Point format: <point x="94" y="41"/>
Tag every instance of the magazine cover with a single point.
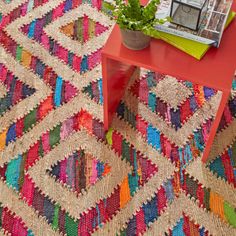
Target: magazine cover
<point x="211" y="27"/>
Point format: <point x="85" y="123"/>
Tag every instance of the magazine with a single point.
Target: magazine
<point x="211" y="28"/>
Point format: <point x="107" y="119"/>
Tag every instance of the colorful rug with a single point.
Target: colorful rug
<point x="61" y="174"/>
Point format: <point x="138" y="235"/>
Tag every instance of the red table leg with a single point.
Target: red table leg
<point x="115" y="78"/>
<point x="214" y="127"/>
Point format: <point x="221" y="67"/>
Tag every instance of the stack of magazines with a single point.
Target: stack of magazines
<point x="210" y="32"/>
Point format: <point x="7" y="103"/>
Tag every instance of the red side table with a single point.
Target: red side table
<point x="215" y="70"/>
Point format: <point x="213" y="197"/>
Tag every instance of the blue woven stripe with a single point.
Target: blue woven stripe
<point x="57" y="96"/>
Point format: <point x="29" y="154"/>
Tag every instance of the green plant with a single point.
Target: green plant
<point x="133" y="16"/>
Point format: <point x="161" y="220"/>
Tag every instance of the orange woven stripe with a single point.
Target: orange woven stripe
<point x="176" y="183"/>
<point x="3" y="139"/>
<point x="198" y="90"/>
<point x="26" y="59"/>
<point x="46" y="106"/>
<point x="107" y="169"/>
<point x="217" y="205"/>
<point x="68" y="29"/>
<point x="124" y="192"/>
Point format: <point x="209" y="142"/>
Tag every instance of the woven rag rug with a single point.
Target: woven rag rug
<point x="62" y="174"/>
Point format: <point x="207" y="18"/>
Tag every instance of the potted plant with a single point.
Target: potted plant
<point x="135" y="21"/>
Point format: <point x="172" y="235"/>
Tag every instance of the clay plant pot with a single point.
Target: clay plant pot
<point x="135" y="40"/>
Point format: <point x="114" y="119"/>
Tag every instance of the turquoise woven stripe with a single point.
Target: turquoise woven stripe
<point x="100" y="91"/>
<point x="217" y="167"/>
<point x="178" y="229"/>
<point x="13" y="172"/>
<point x="31" y="29"/>
<point x="153" y="136"/>
<point x="57" y="96"/>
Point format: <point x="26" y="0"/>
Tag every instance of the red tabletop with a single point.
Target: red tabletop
<point x="215" y="70"/>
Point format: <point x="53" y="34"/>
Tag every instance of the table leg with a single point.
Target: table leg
<point x="214" y="127"/>
<point x="115" y="78"/>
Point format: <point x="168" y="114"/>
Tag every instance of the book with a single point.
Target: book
<point x="193" y="48"/>
<point x="211" y="27"/>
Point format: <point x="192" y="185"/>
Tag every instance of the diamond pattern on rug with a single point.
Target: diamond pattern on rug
<point x="176" y="114"/>
<point x="180" y="91"/>
<point x="62" y="174"/>
<point x="95" y="29"/>
<point x="80" y="171"/>
<point x="83" y="29"/>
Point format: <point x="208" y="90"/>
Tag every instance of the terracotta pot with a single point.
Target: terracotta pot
<point x="135" y="40"/>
